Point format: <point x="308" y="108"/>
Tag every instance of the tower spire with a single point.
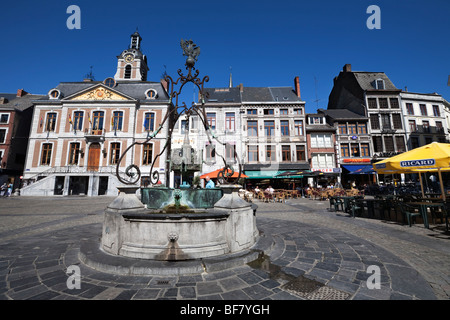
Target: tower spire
<point x="136" y="40"/>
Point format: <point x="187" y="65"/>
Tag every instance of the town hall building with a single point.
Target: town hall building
<point x="80" y="130"/>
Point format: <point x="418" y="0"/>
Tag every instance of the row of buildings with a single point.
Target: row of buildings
<point x="70" y="140"/>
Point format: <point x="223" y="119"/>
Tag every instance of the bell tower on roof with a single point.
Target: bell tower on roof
<point x="136" y="41"/>
<point x="132" y="63"/>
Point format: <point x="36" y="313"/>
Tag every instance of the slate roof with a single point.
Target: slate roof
<point x="223" y="95"/>
<point x="366" y="80"/>
<point x="134" y="89"/>
<point x="342" y="114"/>
<point x="18" y="103"/>
<point x="251" y="94"/>
<point x="8" y="96"/>
<point x="319" y="127"/>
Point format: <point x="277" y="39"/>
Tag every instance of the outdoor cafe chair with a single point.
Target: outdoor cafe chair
<point x="281" y="197"/>
<point x="316" y="194"/>
<point x="447" y="213"/>
<point x="437" y="213"/>
<point x="409" y="212"/>
<point x="386" y="205"/>
<point x="268" y="197"/>
<point x="323" y="195"/>
<point x="354" y="207"/>
<point x="336" y="202"/>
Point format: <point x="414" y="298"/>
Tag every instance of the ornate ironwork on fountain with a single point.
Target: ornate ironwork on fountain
<point x="190" y="50"/>
<point x="132" y="173"/>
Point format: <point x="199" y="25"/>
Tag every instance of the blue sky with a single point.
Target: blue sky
<point x="266" y="43"/>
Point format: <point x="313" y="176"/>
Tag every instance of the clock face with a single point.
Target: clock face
<point x="129" y="57"/>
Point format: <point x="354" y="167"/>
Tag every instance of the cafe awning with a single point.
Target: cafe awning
<point x="360" y="169"/>
<point x="429" y="158"/>
<point x="266" y="174"/>
<point x="215" y="173"/>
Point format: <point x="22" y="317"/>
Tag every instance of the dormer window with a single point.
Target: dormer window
<point x="379" y="84"/>
<point x="316" y="120"/>
<point x="110" y="82"/>
<point x="151" y="94"/>
<point x="54" y="94"/>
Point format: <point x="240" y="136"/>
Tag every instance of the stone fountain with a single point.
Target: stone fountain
<point x="176" y="231"/>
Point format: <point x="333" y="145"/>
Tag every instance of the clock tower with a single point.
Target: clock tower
<point x="131" y="63"/>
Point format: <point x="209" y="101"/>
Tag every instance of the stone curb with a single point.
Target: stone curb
<point x="91" y="255"/>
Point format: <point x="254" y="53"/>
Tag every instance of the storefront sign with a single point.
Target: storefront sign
<point x="418" y="163"/>
<point x="355" y="160"/>
<point x="323" y="169"/>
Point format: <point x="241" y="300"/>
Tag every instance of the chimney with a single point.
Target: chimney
<point x="164" y="84"/>
<point x="348" y="68"/>
<point x="21" y="93"/>
<point x="241" y="87"/>
<point x="297" y="86"/>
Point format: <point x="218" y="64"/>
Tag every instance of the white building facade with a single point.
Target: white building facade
<point x="425" y="118"/>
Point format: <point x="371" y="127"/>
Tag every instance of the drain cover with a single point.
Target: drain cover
<point x="302" y="286"/>
<point x="327" y="293"/>
<point x="161" y="282"/>
<point x="313" y="290"/>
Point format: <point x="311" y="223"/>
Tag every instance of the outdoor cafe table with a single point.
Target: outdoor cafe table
<point x="369" y="203"/>
<point x="372" y="203"/>
<point x="423" y="207"/>
<point x="346" y="200"/>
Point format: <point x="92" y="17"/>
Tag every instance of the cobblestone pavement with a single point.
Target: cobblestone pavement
<point x="310" y="254"/>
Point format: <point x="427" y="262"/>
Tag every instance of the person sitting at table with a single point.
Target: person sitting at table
<point x="257" y="190"/>
<point x="270" y="190"/>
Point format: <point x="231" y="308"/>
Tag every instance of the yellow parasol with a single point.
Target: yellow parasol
<point x="431" y="157"/>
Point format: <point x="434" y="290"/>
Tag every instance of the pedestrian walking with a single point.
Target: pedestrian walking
<point x="209" y="183"/>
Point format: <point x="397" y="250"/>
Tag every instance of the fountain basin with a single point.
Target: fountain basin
<point x="159" y="197"/>
<point x="178" y="236"/>
<point x="199" y="233"/>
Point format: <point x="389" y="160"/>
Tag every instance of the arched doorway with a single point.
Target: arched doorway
<point x="94" y="156"/>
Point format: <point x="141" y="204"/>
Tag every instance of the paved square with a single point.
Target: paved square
<point x="41" y="237"/>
